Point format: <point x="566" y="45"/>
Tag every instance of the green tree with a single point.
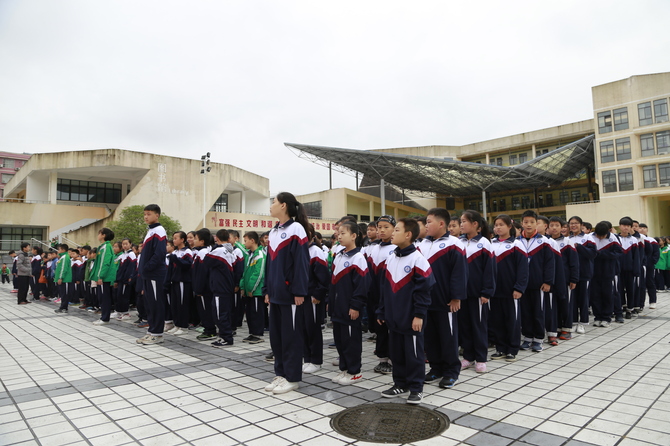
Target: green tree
<point x="131" y="224"/>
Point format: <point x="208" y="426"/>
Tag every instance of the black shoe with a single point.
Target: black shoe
<point x="414" y="397"/>
<point x="332" y="345"/>
<point x="248" y="338"/>
<point x="430" y="377"/>
<point x="372" y="338"/>
<point x="219" y="343"/>
<point x="384" y="367"/>
<point x="498" y="355"/>
<point x="61" y="311"/>
<point x="270" y="358"/>
<point x="619" y="319"/>
<point x="255" y="340"/>
<point x="448" y="383"/>
<point x="364" y="328"/>
<point x="235" y="333"/>
<point x="394" y="391"/>
<point x="628" y="315"/>
<point x="510" y="357"/>
<point x="205" y="337"/>
<point x="138" y="321"/>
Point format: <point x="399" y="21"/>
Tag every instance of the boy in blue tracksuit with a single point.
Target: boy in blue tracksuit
<point x="604" y="266"/>
<point x="152" y="273"/>
<point x="630" y="265"/>
<point x="653" y="252"/>
<point x="403" y="306"/>
<point x="223" y="280"/>
<point x="567" y="276"/>
<point x="541" y="273"/>
<point x="36" y="269"/>
<point x="586" y="252"/>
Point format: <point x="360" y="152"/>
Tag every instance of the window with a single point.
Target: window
<point x="623" y="149"/>
<point x="649" y="175"/>
<point x="609" y="181"/>
<point x="313" y="209"/>
<point x="621" y="118"/>
<point x="664" y="174"/>
<point x="523" y="157"/>
<point x="549" y="198"/>
<point x="9" y="163"/>
<point x="606" y="152"/>
<point x="563" y="196"/>
<point x="540" y="201"/>
<point x="499" y="161"/>
<point x="626" y="179"/>
<point x="495" y="206"/>
<point x="525" y="202"/>
<point x="88" y="191"/>
<point x="644" y="113"/>
<point x="11" y="237"/>
<point x="365" y="218"/>
<point x="6" y="177"/>
<point x="540" y="152"/>
<point x="492" y="161"/>
<point x="221" y="204"/>
<point x="661" y="110"/>
<point x="647" y="144"/>
<point x="512" y="160"/>
<point x="605" y="122"/>
<point x="663" y="142"/>
<point x="575" y="196"/>
<point x="503" y="206"/>
<point x="515" y="203"/>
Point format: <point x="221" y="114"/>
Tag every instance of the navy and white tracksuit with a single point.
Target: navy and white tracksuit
<point x="349" y="286"/>
<point x="36" y="269"/>
<point x="152" y="271"/>
<point x="586" y="252"/>
<point x="126" y="275"/>
<point x="640" y="281"/>
<point x="630" y="270"/>
<point x="319" y="282"/>
<point x="653" y="255"/>
<point x="473" y="318"/>
<point x="181" y="261"/>
<point x="376" y="256"/>
<point x="203" y="295"/>
<point x="561" y="289"/>
<point x="446" y="256"/>
<point x="511" y="275"/>
<point x="287" y="277"/>
<point x="238" y="267"/>
<point x="404" y="295"/>
<point x="541" y="270"/>
<point x="550" y="299"/>
<point x="223" y="279"/>
<point x="604" y="266"/>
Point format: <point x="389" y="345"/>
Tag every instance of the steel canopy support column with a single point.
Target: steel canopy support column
<point x="382" y="195"/>
<point x="484" y="205"/>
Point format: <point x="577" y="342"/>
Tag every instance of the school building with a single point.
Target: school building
<point x="616" y="164"/>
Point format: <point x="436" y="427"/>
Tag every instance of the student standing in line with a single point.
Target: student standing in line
<point x="630" y="265"/>
<point x="609" y="250"/>
<point x="64" y="278"/>
<point x="569" y="271"/>
<point x="152" y="272"/>
<point x="220" y="263"/>
<point x="22" y="274"/>
<point x="511" y="281"/>
<point x="36" y="268"/>
<point x="104" y="275"/>
<point x="586" y="252"/>
<point x="181" y="260"/>
<point x="251" y="288"/>
<point x="286" y="287"/>
<point x="200" y="280"/>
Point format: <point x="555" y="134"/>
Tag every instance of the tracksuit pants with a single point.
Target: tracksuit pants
<point x="349" y="343"/>
<point x="650" y="284"/>
<point x="154" y="298"/>
<point x="617" y="308"/>
<point x="206" y="313"/>
<point x="167" y="302"/>
<point x="125" y="290"/>
<point x="409" y="361"/>
<point x="580" y="302"/>
<point x="532" y="315"/>
<point x="65" y="290"/>
<point x="565" y="310"/>
<point x="255" y="309"/>
<point x="180" y="297"/>
<point x="505" y="324"/>
<point x="601" y="299"/>
<point x="550" y="313"/>
<point x="35" y="287"/>
<point x="641" y="288"/>
<point x="238" y="311"/>
<point x="286" y="331"/>
<point x="22" y="284"/>
<point x="222" y="309"/>
<point x="627" y="289"/>
<point x="473" y="322"/>
<point x="382" y="331"/>
<point x="312" y="352"/>
<point x="105" y="299"/>
<point x="441" y="335"/>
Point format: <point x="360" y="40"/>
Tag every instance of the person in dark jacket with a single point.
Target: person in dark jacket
<point x="609" y="250"/>
<point x="23" y="272"/>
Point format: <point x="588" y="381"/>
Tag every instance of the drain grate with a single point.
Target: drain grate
<point x="390" y="423"/>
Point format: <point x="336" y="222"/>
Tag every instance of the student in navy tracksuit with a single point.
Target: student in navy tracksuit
<point x="319" y="281"/>
<point x="346" y="298"/>
<point x="180" y="289"/>
<point x="152" y="272"/>
<point x="36" y="269"/>
<point x="241" y="256"/>
<point x="511" y="281"/>
<point x="653" y="254"/>
<point x="586" y="252"/>
<point x="220" y="263"/>
<point x="609" y="250"/>
<point x="403" y="305"/>
<point x="630" y="265"/>
<point x="541" y="272"/>
<point x="473" y="319"/>
<point x="200" y="281"/>
<point x="640" y="280"/>
<point x="446" y="255"/>
<point x="77" y="275"/>
<point x="127" y="275"/>
<point x="286" y="287"/>
<point x="567" y="276"/>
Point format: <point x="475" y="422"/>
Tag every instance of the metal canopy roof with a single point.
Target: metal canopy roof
<point x="440" y="176"/>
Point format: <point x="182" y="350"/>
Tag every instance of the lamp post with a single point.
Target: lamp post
<point x="205" y="168"/>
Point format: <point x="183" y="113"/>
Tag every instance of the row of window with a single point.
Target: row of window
<point x="10" y="163"/>
<point x="528" y="202"/>
<point x="6" y="177"/>
<point x="621" y="147"/>
<point x="656" y="175"/>
<point x="653" y="175"/>
<point x="648" y="113"/>
<point x="88" y="191"/>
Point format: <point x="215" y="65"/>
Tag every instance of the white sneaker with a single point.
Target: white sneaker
<point x="275" y="382"/>
<point x="100" y="322"/>
<point x="311" y="368"/>
<point x="348" y="379"/>
<point x="652" y="306"/>
<point x="123" y="316"/>
<point x="285" y="387"/>
<point x="304" y="366"/>
<point x="336" y="378"/>
<point x="580" y="329"/>
<point x="336" y="362"/>
<point x="176" y="332"/>
<point x="173" y="330"/>
<point x="167" y="327"/>
<point x="604" y="324"/>
<point x="597" y="324"/>
<point x="115" y="315"/>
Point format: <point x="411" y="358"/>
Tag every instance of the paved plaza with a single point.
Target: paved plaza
<point x="65" y="381"/>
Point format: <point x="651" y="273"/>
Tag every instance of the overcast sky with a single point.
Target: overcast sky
<point x="240" y="78"/>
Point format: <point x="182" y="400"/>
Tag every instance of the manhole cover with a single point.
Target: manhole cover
<point x="389" y="423"/>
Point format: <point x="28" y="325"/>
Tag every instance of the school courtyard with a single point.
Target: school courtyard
<point x="67" y="382"/>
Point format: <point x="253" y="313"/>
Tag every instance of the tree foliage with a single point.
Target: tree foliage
<point x="131" y="224"/>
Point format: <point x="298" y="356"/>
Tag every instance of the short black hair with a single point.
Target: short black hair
<point x="372" y="224"/>
<point x="75" y="250"/>
<point x="421" y="220"/>
<point x="626" y="221"/>
<point x="411" y="225"/>
<point x="544" y="219"/>
<point x="346" y="218"/>
<point x="529" y="213"/>
<point x="253" y="235"/>
<point x="63" y="246"/>
<point x="153" y="208"/>
<point x="223" y="235"/>
<point x="38" y="250"/>
<point x="644" y="225"/>
<point x="603" y="228"/>
<point x="11" y="252"/>
<point x="440" y="213"/>
<point x="24" y="245"/>
<point x="108" y="233"/>
<point x="587" y="225"/>
<point x="233" y="233"/>
<point x="557" y="219"/>
<point x="86" y="247"/>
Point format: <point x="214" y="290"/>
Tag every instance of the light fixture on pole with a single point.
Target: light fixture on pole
<point x="205" y="168"/>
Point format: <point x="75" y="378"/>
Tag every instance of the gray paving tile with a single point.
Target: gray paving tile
<point x="474" y="422"/>
<point x="507" y="430"/>
<point x="543" y="439"/>
<point x="487" y="439"/>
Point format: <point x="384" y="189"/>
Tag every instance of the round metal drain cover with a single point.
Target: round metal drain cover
<point x="389" y="423"/>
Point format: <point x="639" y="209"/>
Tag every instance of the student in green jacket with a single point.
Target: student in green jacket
<point x="90" y="298"/>
<point x="662" y="266"/>
<point x="104" y="275"/>
<point x="63" y="278"/>
<point x="251" y="287"/>
<point x="117" y="248"/>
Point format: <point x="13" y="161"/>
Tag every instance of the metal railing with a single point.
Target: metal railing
<point x="68" y="241"/>
<point x="582" y="202"/>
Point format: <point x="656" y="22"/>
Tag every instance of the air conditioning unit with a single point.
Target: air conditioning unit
<point x="2" y="165"/>
<point x="17" y="168"/>
<point x="664" y="185"/>
<point x="662" y="152"/>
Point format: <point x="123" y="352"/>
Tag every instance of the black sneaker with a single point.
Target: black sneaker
<point x="430" y="377"/>
<point x="628" y="315"/>
<point x="393" y="392"/>
<point x="498" y="355"/>
<point x="619" y="319"/>
<point x="270" y="358"/>
<point x="219" y="343"/>
<point x="248" y="338"/>
<point x="372" y="338"/>
<point x="332" y="345"/>
<point x="138" y="321"/>
<point x="61" y="311"/>
<point x="414" y="397"/>
<point x="447" y="383"/>
<point x="384" y="367"/>
<point x="205" y="337"/>
<point x="256" y="340"/>
<point x="510" y="357"/>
